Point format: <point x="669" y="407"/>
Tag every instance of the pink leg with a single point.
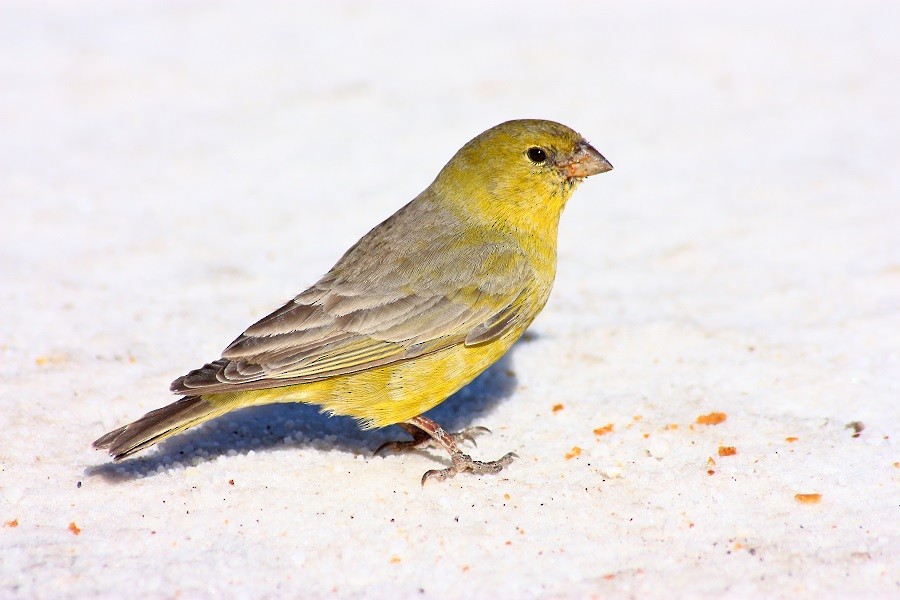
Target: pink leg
<point x="427" y="432"/>
<point x="421" y="438"/>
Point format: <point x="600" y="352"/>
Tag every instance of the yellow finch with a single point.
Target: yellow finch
<point x="414" y="311"/>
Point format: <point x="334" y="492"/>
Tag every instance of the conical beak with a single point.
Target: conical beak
<point x="584" y="162"/>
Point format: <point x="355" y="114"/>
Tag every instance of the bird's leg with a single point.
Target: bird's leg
<point x="419" y="439"/>
<point x="459" y="462"/>
<point x="423" y="439"/>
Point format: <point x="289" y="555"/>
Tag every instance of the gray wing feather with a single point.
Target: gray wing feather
<point x="364" y="314"/>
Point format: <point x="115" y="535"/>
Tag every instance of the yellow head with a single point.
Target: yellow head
<point x="519" y="174"/>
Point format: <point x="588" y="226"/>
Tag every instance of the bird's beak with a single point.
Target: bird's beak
<point x="584" y="162"/>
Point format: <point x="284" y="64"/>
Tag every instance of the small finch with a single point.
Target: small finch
<point x="411" y="313"/>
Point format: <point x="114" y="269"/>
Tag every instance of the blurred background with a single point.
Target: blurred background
<point x="171" y="171"/>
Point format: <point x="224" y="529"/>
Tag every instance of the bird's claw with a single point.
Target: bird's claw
<point x="464" y="463"/>
<point x="469" y="434"/>
<point x="466" y="435"/>
<point x="392" y="445"/>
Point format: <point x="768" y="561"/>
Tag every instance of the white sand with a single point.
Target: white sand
<point x="169" y="172"/>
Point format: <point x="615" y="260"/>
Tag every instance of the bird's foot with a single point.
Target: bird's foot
<point x="423" y="440"/>
<point x="426" y="432"/>
<point x="462" y="463"/>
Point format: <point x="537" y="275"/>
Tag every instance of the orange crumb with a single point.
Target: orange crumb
<point x="395" y="559"/>
<point x="897" y="465"/>
<point x="74" y="528"/>
<point x="609" y="576"/>
<point x="506" y="496"/>
<point x="727" y="450"/>
<point x="710" y="472"/>
<point x="637" y="417"/>
<point x="710" y="461"/>
<point x="791" y="440"/>
<point x="808" y="498"/>
<point x="576" y="451"/>
<point x="508" y="543"/>
<point x="50" y="359"/>
<point x="521" y="531"/>
<point x="690" y="525"/>
<point x="671" y="426"/>
<point x="738" y="545"/>
<point x="713" y="418"/>
<point x="465" y="568"/>
<point x="605" y="429"/>
<point x="646" y="435"/>
<point x="557" y="407"/>
<point x="13" y="523"/>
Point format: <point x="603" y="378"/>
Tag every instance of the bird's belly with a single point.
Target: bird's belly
<point x="401" y="391"/>
<point x="390" y="394"/>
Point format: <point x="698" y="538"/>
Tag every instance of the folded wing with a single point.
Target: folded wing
<point x="347" y="324"/>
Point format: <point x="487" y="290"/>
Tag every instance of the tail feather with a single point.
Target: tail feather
<point x="157" y="425"/>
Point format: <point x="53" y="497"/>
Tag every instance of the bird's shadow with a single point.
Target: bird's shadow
<point x="283" y="426"/>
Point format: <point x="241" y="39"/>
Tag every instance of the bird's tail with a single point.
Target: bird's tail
<point x="157" y="425"/>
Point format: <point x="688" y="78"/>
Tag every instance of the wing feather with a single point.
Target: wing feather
<point x="353" y="320"/>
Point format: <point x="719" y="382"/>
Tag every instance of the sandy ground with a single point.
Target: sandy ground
<point x="170" y="172"/>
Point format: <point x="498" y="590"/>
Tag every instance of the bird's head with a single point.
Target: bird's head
<point x="522" y="172"/>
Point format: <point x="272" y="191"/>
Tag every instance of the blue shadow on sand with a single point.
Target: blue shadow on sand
<point x="285" y="426"/>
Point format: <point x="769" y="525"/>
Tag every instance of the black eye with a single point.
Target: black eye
<point x="537" y="155"/>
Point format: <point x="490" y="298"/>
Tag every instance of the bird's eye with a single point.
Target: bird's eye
<point x="537" y="155"/>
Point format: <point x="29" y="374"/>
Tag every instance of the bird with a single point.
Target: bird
<point x="415" y="310"/>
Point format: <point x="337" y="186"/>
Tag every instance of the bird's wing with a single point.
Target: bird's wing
<point x="343" y="325"/>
